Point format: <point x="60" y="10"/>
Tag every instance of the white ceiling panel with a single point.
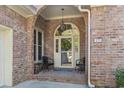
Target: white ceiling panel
<point x="54" y="11"/>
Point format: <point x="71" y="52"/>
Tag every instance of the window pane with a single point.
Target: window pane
<point x="66" y="44"/>
<point x="34" y="52"/>
<point x="67" y="32"/>
<point x="34" y="36"/>
<point x="39" y="38"/>
<point x="57" y="45"/>
<point x="66" y="58"/>
<point x="39" y="52"/>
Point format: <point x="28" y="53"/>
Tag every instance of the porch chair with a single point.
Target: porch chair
<point x="80" y="65"/>
<point x="37" y="68"/>
<point x="47" y="63"/>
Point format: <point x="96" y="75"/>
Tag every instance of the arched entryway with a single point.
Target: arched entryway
<point x="50" y="39"/>
<point x="66" y="46"/>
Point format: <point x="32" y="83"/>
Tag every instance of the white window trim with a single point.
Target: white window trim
<point x="38" y="30"/>
<point x="59" y="37"/>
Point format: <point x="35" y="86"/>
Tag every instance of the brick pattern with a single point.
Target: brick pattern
<point x="51" y="25"/>
<point x="13" y="20"/>
<point x="107" y="45"/>
<point x="107" y="25"/>
<point x="30" y="63"/>
<point x="32" y="22"/>
<point x="40" y="23"/>
<point x="23" y="65"/>
<point x="62" y="76"/>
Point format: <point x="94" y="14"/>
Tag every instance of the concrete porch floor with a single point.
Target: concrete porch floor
<point x="48" y="84"/>
<point x="55" y="79"/>
<point x="64" y="76"/>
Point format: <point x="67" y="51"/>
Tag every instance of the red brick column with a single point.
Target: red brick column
<point x="30" y="63"/>
<point x="107" y="44"/>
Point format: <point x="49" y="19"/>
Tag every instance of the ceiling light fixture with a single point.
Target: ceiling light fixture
<point x="62" y="26"/>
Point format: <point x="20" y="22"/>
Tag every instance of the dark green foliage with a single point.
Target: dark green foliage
<point x="120" y="77"/>
<point x="66" y="44"/>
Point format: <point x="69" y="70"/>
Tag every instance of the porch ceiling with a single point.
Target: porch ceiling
<point x="54" y="12"/>
<point x="24" y="10"/>
<point x="51" y="12"/>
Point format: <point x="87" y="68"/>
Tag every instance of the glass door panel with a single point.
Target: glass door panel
<point x="66" y="51"/>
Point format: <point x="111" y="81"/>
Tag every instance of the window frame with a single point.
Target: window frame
<point x="37" y="44"/>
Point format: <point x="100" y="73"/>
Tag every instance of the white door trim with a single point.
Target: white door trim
<point x="59" y="51"/>
<point x="7" y="61"/>
<point x="59" y="37"/>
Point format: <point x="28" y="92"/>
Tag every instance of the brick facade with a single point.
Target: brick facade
<point x="107" y="45"/>
<point x="13" y="20"/>
<point x="51" y="26"/>
<point x="107" y="24"/>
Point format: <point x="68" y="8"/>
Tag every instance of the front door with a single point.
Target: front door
<point x="64" y="52"/>
<point x="66" y="46"/>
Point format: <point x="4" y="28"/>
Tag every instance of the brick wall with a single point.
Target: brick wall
<point x="51" y="26"/>
<point x="40" y="23"/>
<point x="107" y="44"/>
<point x="30" y="61"/>
<point x="23" y="39"/>
<point x="13" y="20"/>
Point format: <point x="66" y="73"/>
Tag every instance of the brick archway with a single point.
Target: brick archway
<point x="31" y="21"/>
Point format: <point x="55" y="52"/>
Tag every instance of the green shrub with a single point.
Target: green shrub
<point x="120" y="77"/>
